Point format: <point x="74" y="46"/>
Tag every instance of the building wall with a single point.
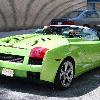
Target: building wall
<point x="17" y="14"/>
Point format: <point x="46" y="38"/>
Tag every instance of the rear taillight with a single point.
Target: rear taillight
<point x="69" y="22"/>
<point x="38" y="52"/>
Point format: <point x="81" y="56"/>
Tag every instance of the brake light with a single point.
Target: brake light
<point x="38" y="52"/>
<point x="69" y="22"/>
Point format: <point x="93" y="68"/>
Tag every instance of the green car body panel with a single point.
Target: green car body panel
<point x="85" y="54"/>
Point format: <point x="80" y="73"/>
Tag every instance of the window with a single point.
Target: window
<point x="91" y="35"/>
<point x="91" y="14"/>
<point x="73" y="14"/>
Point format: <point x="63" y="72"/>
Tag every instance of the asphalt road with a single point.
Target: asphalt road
<point x="85" y="87"/>
<point x="5" y="34"/>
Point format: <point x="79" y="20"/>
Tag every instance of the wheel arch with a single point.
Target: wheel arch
<point x="70" y="59"/>
<point x="51" y="73"/>
<point x="57" y="80"/>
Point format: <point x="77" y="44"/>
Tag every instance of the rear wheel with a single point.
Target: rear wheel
<point x="65" y="74"/>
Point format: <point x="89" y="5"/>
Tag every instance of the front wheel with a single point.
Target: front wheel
<point x="65" y="74"/>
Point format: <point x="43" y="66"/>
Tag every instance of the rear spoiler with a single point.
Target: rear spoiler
<point x="67" y="26"/>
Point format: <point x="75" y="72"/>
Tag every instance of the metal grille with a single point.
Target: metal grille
<point x="11" y="58"/>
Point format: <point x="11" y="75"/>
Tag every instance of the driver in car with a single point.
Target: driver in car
<point x="72" y="33"/>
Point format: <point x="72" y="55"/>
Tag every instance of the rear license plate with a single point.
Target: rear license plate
<point x="7" y="72"/>
<point x="59" y="23"/>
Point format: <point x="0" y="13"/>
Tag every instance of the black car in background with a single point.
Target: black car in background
<point x="85" y="18"/>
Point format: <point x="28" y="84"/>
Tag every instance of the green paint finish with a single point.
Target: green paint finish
<point x="20" y="73"/>
<point x="86" y="54"/>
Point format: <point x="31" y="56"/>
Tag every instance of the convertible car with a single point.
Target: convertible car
<point x="54" y="58"/>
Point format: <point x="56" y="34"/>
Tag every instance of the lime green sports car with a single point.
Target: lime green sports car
<point x="57" y="58"/>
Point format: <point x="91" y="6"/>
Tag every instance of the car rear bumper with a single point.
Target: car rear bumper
<point x="19" y="69"/>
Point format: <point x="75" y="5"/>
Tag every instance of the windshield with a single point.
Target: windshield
<point x="73" y="14"/>
<point x="71" y="32"/>
<point x="40" y="31"/>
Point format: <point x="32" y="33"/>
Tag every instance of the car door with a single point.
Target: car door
<point x="92" y="48"/>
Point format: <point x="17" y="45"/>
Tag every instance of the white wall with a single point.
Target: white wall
<point x="16" y="14"/>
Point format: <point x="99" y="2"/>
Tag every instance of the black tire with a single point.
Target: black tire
<point x="65" y="75"/>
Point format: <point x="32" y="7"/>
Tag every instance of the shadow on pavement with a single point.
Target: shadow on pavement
<point x="81" y="85"/>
